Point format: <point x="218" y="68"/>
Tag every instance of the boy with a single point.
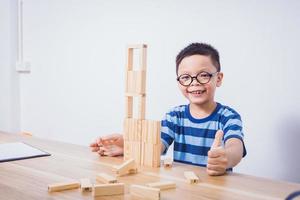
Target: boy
<point x="200" y="128"/>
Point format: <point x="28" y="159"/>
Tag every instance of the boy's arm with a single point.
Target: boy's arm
<point x="234" y="151"/>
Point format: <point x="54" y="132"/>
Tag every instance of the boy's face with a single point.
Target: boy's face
<point x="197" y="93"/>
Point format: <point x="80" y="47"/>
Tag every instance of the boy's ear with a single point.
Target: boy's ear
<point x="219" y="79"/>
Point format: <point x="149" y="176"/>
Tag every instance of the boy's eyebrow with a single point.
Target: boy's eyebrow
<point x="185" y="72"/>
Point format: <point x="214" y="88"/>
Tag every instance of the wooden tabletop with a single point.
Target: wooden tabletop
<point x="28" y="179"/>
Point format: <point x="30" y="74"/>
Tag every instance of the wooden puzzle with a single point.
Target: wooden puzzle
<point x="191" y="177"/>
<point x="128" y="167"/>
<point x="105" y="178"/>
<point x="141" y="136"/>
<point x="86" y="185"/>
<point x="108" y="189"/>
<point x="63" y="186"/>
<point x="144" y="192"/>
<point x="168" y="162"/>
<point x="162" y="185"/>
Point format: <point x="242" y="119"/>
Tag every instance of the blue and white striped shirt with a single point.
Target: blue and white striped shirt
<point x="193" y="137"/>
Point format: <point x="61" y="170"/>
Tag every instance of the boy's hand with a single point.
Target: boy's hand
<point x="110" y="145"/>
<point x="217" y="160"/>
<point x="95" y="145"/>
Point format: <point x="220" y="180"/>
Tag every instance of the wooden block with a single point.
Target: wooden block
<point x="108" y="189"/>
<point x="139" y="130"/>
<point x="151" y="131"/>
<point x="147" y="154"/>
<point x="168" y="162"/>
<point x="128" y="106"/>
<point x="191" y="177"/>
<point x="86" y="185"/>
<point x="106" y="178"/>
<point x="163" y="185"/>
<point x="132" y="94"/>
<point x="142" y="107"/>
<point x="136" y="152"/>
<point x="144" y="192"/>
<point x="130" y="80"/>
<point x="151" y="154"/>
<point x="125" y="129"/>
<point x="63" y="186"/>
<point x="133" y="171"/>
<point x="144" y="130"/>
<point x="140" y="82"/>
<point x="135" y="130"/>
<point x="26" y="133"/>
<point x="136" y="46"/>
<point x="156" y="132"/>
<point x="156" y="154"/>
<point x="143" y="58"/>
<point x="129" y="61"/>
<point x="132" y="150"/>
<point x="127" y="150"/>
<point x="130" y="130"/>
<point x="126" y="167"/>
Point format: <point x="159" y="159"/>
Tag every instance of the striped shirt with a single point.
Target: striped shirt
<point x="193" y="137"/>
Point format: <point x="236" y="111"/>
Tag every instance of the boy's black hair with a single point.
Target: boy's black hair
<point x="199" y="49"/>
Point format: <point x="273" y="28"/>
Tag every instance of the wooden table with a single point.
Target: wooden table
<point x="28" y="179"/>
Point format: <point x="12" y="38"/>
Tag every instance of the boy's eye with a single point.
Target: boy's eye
<point x="185" y="77"/>
<point x="204" y="75"/>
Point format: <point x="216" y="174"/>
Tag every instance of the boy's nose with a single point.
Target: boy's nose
<point x="195" y="81"/>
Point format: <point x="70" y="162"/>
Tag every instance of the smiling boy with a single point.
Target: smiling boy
<point x="204" y="132"/>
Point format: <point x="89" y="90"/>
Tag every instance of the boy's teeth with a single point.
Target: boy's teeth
<point x="197" y="92"/>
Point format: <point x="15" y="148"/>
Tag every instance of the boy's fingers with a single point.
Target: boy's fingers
<point x="102" y="151"/>
<point x="213" y="154"/>
<point x="93" y="144"/>
<point x="216" y="168"/>
<point x="94" y="149"/>
<point x="218" y="139"/>
<point x="111" y="137"/>
<point x="214" y="173"/>
<point x="216" y="152"/>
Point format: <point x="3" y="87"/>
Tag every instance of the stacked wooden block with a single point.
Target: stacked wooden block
<point x="151" y="146"/>
<point x="141" y="136"/>
<point x="142" y="141"/>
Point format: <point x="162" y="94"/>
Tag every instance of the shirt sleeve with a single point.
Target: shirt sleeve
<point x="167" y="131"/>
<point x="233" y="128"/>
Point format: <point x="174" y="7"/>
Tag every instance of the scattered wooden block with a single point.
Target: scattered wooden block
<point x="108" y="189"/>
<point x="144" y="192"/>
<point x="105" y="178"/>
<point x="191" y="177"/>
<point x="136" y="46"/>
<point x="163" y="185"/>
<point x="168" y="162"/>
<point x="133" y="171"/>
<point x="26" y="133"/>
<point x="128" y="167"/>
<point x="86" y="185"/>
<point x="63" y="186"/>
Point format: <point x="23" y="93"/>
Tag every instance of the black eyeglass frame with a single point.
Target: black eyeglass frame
<point x="195" y="77"/>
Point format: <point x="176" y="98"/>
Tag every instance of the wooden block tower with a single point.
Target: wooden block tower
<point x="141" y="136"/>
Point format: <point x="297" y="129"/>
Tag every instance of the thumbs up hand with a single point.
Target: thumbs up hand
<point x="217" y="160"/>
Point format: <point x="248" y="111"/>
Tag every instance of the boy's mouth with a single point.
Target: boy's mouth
<point x="197" y="91"/>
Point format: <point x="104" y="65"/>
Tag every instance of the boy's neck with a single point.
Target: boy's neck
<point x="202" y="111"/>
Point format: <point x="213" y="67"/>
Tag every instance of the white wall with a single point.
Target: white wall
<point x="9" y="80"/>
<point x="77" y="52"/>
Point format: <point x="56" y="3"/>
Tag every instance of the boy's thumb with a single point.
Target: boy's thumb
<point x="218" y="139"/>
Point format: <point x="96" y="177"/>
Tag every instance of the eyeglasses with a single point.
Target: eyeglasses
<point x="202" y="78"/>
